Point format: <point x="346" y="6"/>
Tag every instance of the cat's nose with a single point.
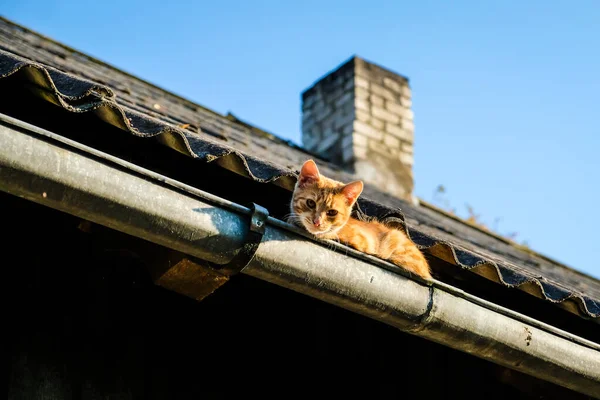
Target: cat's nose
<point x="317" y="222"/>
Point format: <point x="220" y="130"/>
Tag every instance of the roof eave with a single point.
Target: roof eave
<point x="56" y="172"/>
<point x="78" y="95"/>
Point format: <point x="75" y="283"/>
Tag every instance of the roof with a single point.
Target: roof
<point x="80" y="83"/>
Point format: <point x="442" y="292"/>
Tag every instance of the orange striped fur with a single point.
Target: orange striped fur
<point x="323" y="207"/>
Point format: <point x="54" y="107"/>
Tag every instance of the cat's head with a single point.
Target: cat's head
<point x="321" y="205"/>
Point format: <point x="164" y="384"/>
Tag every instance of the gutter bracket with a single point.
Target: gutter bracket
<point x="258" y="219"/>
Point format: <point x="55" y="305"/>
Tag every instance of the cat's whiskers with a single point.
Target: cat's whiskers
<point x="314" y="193"/>
<point x="307" y="222"/>
<point x="334" y="246"/>
<point x="292" y="219"/>
<point x="342" y="245"/>
<point x="330" y="246"/>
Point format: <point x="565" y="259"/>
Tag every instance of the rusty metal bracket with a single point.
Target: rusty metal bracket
<point x="258" y="219"/>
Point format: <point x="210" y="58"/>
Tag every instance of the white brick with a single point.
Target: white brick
<point x="334" y="95"/>
<point x="407" y="159"/>
<point x="328" y="141"/>
<point x="377" y="124"/>
<point x="360" y="152"/>
<point x="367" y="130"/>
<point x="348" y="154"/>
<point x="383" y="92"/>
<point x="347" y="97"/>
<point x="361" y="82"/>
<point x="347" y="141"/>
<point x="327" y="124"/>
<point x="323" y="113"/>
<point x="348" y="129"/>
<point x="367" y="118"/>
<point x="378" y="147"/>
<point x="339" y="81"/>
<point x="361" y="93"/>
<point x="308" y="116"/>
<point x="391" y="141"/>
<point x="315" y="131"/>
<point x="406" y="91"/>
<point x="342" y="120"/>
<point x="354" y="152"/>
<point x="408" y="148"/>
<point x="396" y="108"/>
<point x="406" y="102"/>
<point x="308" y="126"/>
<point x="363" y="116"/>
<point x="398" y="132"/>
<point x="308" y="102"/>
<point x="361" y="70"/>
<point x="359" y="140"/>
<point x="392" y="84"/>
<point x="307" y="113"/>
<point x="308" y="120"/>
<point x="318" y="105"/>
<point x="385" y="115"/>
<point x="310" y="141"/>
<point x="361" y="104"/>
<point x="376" y="100"/>
<point x="347" y="108"/>
<point x="408" y="124"/>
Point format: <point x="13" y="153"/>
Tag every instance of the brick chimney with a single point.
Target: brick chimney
<point x="359" y="117"/>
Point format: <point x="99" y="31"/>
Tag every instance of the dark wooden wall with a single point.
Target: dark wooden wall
<point x="84" y="321"/>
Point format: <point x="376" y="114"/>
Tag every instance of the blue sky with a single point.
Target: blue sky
<point x="506" y="94"/>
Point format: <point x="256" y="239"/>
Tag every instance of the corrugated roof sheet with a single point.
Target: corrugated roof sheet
<point x="145" y="110"/>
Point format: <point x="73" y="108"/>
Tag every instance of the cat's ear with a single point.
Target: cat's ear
<point x="352" y="190"/>
<point x="309" y="173"/>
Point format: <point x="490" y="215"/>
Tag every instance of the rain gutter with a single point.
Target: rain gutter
<point x="65" y="175"/>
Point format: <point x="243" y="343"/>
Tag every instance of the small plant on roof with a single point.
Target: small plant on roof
<point x="472" y="217"/>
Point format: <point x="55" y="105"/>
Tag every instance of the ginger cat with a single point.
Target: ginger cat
<point x="323" y="207"/>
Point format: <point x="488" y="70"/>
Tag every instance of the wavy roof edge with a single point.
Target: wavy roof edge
<point x="497" y="236"/>
<point x="64" y="89"/>
<point x="235" y="119"/>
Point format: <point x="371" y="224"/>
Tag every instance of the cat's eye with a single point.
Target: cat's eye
<point x="332" y="213"/>
<point x="311" y="203"/>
